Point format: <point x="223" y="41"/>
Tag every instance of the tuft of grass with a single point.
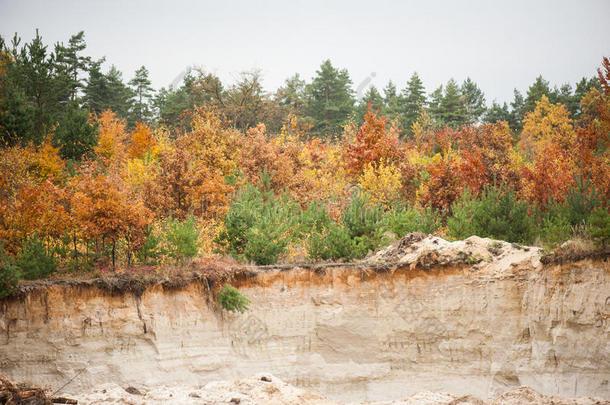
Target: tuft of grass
<point x="231" y="299"/>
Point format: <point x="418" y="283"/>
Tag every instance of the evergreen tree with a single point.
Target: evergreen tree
<point x="106" y="91"/>
<point x="452" y="111"/>
<point x="329" y="99"/>
<point x="72" y="64"/>
<point x="391" y="100"/>
<point x="142" y="94"/>
<point x="435" y="107"/>
<point x="35" y="68"/>
<point x="517" y="111"/>
<point x="16" y="114"/>
<point x="372" y="99"/>
<point x="535" y="92"/>
<point x="582" y="88"/>
<point x="197" y="88"/>
<point x="497" y="113"/>
<point x="75" y="135"/>
<point x="565" y="97"/>
<point x="473" y="100"/>
<point x="292" y="94"/>
<point x="414" y="98"/>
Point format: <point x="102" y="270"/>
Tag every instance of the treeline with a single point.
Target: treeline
<point x="55" y="89"/>
<point x="127" y="186"/>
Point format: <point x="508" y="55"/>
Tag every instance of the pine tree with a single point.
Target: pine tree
<point x="473" y="100"/>
<point x="391" y="100"/>
<point x="70" y="62"/>
<point x="517" y="111"/>
<point x="497" y="113"/>
<point x="452" y="111"/>
<point x="292" y="94"/>
<point x="436" y="99"/>
<point x="582" y="88"/>
<point x="35" y="76"/>
<point x="372" y="98"/>
<point x="106" y="91"/>
<point x="413" y="98"/>
<point x="142" y="94"/>
<point x="539" y="88"/>
<point x="329" y="100"/>
<point x="75" y="135"/>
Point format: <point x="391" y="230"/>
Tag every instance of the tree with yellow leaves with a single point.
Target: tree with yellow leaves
<point x="547" y="124"/>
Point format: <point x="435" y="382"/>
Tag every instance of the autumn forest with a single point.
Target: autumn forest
<point x="100" y="174"/>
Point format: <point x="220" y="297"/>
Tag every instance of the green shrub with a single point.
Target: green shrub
<point x="9" y="274"/>
<point x="403" y="220"/>
<point x="555" y="225"/>
<point x="599" y="226"/>
<point x="231" y="299"/>
<point x="182" y="238"/>
<point x="334" y="242"/>
<point x="495" y="214"/>
<point x="581" y="200"/>
<point x="33" y="260"/>
<point x="150" y="249"/>
<point x="361" y="231"/>
<point x="259" y="226"/>
<point x="315" y="218"/>
<point x="460" y="224"/>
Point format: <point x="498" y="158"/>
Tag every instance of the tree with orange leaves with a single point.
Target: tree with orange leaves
<point x="142" y="140"/>
<point x="549" y="178"/>
<point x="112" y="139"/>
<point x="373" y="143"/>
<point x="105" y="211"/>
<point x="443" y="187"/>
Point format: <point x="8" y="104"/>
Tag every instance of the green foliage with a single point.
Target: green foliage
<point x="414" y="98"/>
<point x="9" y="274"/>
<point x="361" y="231"/>
<point x="33" y="260"/>
<point x="403" y="220"/>
<point x="259" y="226"/>
<point x="231" y="299"/>
<point x="75" y="135"/>
<point x="555" y="225"/>
<point x="315" y="218"/>
<point x="581" y="200"/>
<point x="460" y="224"/>
<point x="182" y="238"/>
<point x="150" y="249"/>
<point x="496" y="214"/>
<point x="599" y="226"/>
<point x="329" y="99"/>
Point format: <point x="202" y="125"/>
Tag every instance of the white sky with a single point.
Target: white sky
<point x="499" y="44"/>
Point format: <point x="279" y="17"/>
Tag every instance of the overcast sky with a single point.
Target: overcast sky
<point x="499" y="44"/>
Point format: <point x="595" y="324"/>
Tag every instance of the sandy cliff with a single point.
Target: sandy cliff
<point x="477" y="318"/>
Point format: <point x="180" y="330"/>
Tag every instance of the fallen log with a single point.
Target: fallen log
<point x="12" y="394"/>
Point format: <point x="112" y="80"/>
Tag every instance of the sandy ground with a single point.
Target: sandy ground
<point x="265" y="388"/>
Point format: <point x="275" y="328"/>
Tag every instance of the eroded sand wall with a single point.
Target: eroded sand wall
<point x="347" y="333"/>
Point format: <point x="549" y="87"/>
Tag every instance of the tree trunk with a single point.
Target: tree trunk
<point x="113" y="253"/>
<point x="75" y="249"/>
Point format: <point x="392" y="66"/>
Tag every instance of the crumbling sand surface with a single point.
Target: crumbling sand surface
<point x="265" y="388"/>
<point x="484" y="254"/>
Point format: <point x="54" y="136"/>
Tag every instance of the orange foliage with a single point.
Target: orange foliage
<point x="104" y="209"/>
<point x="110" y="148"/>
<point x="40" y="210"/>
<point x="142" y="141"/>
<point x="373" y="143"/>
<point x="549" y="178"/>
<point x="444" y="186"/>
